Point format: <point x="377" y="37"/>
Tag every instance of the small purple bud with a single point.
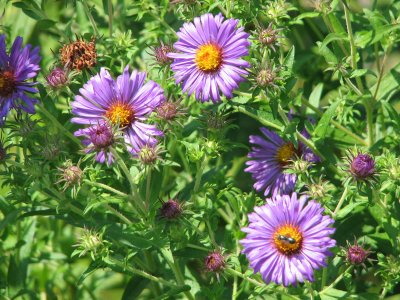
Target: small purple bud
<point x="57" y="78"/>
<point x="356" y="254"/>
<point x="214" y="262"/>
<point x="101" y="135"/>
<point x="362" y="166"/>
<point x="170" y="209"/>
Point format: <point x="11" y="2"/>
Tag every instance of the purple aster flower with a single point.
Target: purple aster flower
<point x="15" y="70"/>
<point x="209" y="61"/>
<point x="126" y="102"/>
<point x="269" y="161"/>
<point x="287" y="239"/>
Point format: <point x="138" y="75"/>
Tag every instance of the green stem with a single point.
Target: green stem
<point x="338" y="279"/>
<point x="310" y="289"/>
<point x="141" y="273"/>
<point x="89" y="15"/>
<point x="378" y="84"/>
<point x="340" y="203"/>
<point x="118" y="214"/>
<point x="324" y="277"/>
<point x="334" y="123"/>
<point x="353" y="50"/>
<point x="255" y="117"/>
<point x="370" y="122"/>
<point x="197" y="247"/>
<point x="136" y="197"/>
<point x="244" y="277"/>
<point x="165" y="24"/>
<point x="148" y="185"/>
<point x="110" y="17"/>
<point x="211" y="234"/>
<point x="106" y="187"/>
<point x="56" y="123"/>
<point x="173" y="264"/>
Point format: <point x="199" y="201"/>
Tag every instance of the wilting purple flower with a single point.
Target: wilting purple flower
<point x="362" y="166"/>
<point x="356" y="254"/>
<point x="287" y="239"/>
<point x="125" y="102"/>
<point x="269" y="161"/>
<point x="209" y="61"/>
<point x="57" y="78"/>
<point x="160" y="53"/>
<point x="214" y="262"/>
<point x="99" y="138"/>
<point x="15" y="70"/>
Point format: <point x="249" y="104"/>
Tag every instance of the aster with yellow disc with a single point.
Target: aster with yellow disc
<point x="125" y="102"/>
<point x="209" y="58"/>
<point x="287" y="239"/>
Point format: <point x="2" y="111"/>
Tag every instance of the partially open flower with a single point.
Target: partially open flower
<point x="160" y="53"/>
<point x="214" y="262"/>
<point x="79" y="55"/>
<point x="361" y="166"/>
<point x="356" y="254"/>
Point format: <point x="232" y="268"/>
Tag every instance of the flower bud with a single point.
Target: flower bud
<point x="356" y="254"/>
<point x="265" y="78"/>
<point x="214" y="262"/>
<point x="101" y="135"/>
<point x="148" y="154"/>
<point x="167" y="110"/>
<point x="57" y="78"/>
<point x="170" y="209"/>
<point x="160" y="54"/>
<point x="362" y="166"/>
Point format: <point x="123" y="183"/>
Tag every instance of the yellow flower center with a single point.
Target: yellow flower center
<point x="288" y="239"/>
<point x="7" y="83"/>
<point x="285" y="153"/>
<point x="120" y="113"/>
<point x="209" y="57"/>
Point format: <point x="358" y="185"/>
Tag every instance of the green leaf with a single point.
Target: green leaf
<point x="349" y="208"/>
<point x="315" y="96"/>
<point x="289" y="59"/>
<point x="323" y="124"/>
<point x="31" y="9"/>
<point x="390" y="83"/>
<point x="334" y="37"/>
<point x="135" y="287"/>
<point x="329" y="56"/>
<point x="334" y="294"/>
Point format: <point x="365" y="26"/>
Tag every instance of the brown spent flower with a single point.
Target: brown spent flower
<point x="79" y="55"/>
